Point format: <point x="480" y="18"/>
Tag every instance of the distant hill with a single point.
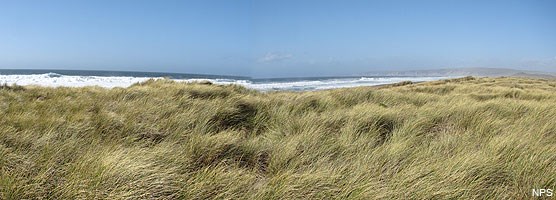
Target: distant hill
<point x="527" y="75"/>
<point x="492" y="72"/>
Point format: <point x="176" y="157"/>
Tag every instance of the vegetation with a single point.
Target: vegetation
<point x="487" y="138"/>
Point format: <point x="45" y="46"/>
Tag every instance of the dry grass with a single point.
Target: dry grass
<point x="467" y="138"/>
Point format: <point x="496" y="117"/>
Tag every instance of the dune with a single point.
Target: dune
<point x="466" y="138"/>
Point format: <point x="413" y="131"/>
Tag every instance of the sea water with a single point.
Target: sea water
<point x="111" y="79"/>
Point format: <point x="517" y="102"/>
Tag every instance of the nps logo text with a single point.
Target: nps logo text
<point x="543" y="192"/>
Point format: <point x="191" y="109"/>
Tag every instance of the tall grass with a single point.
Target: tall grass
<point x="487" y="138"/>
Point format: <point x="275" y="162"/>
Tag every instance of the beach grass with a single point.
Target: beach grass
<point x="470" y="138"/>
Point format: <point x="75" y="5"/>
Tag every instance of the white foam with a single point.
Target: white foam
<point x="335" y="83"/>
<point x="57" y="80"/>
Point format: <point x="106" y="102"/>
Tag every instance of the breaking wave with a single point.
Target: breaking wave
<point x="59" y="80"/>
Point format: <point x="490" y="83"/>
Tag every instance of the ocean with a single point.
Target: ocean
<point x="111" y="79"/>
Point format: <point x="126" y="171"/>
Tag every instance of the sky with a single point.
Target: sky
<point x="277" y="38"/>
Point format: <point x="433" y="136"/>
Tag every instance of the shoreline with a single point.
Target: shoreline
<point x="285" y="84"/>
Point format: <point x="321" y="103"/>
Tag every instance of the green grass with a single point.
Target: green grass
<point x="486" y="138"/>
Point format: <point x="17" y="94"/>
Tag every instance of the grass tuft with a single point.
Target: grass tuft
<point x="13" y="87"/>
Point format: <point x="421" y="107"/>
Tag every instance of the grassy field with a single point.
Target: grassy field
<point x="486" y="138"/>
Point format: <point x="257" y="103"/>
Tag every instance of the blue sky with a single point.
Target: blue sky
<point x="277" y="38"/>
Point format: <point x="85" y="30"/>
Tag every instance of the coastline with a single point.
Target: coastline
<point x="276" y="84"/>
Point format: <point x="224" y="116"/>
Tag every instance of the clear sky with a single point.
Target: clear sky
<point x="277" y="38"/>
